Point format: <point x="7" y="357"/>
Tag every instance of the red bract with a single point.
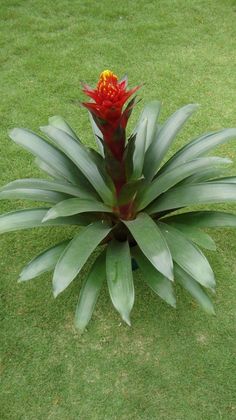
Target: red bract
<point x="109" y="98"/>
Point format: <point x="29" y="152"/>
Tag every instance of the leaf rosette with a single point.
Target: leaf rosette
<point x="128" y="201"/>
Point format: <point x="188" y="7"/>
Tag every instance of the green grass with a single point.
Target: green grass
<point x="172" y="364"/>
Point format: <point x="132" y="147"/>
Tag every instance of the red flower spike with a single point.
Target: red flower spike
<point x="108" y="99"/>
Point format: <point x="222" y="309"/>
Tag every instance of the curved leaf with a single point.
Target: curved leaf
<point x="46" y="152"/>
<point x="188" y="256"/>
<point x="89" y="292"/>
<point x="136" y="151"/>
<point x="204" y="219"/>
<point x="186" y="195"/>
<point x="225" y="180"/>
<point x="45" y="184"/>
<point x="97" y="135"/>
<point x="30" y="218"/>
<point x="73" y="206"/>
<point x="59" y="122"/>
<point x="150" y="112"/>
<point x="48" y="169"/>
<point x="152" y="243"/>
<point x="206" y="174"/>
<point x="194" y="289"/>
<point x="120" y="278"/>
<point x="33" y="194"/>
<point x="155" y="280"/>
<point x="202" y="239"/>
<point x="164" y="139"/>
<point x="43" y="262"/>
<point x="170" y="178"/>
<point x="200" y="146"/>
<point x="76" y="254"/>
<point x="84" y="160"/>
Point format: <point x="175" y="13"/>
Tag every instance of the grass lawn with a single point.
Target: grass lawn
<point x="172" y="364"/>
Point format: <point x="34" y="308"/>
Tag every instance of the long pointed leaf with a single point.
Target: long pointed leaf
<point x="170" y="178"/>
<point x="155" y="280"/>
<point x="203" y="219"/>
<point x="83" y="160"/>
<point x="195" y="235"/>
<point x="33" y="195"/>
<point x="225" y="180"/>
<point x="45" y="261"/>
<point x="164" y="139"/>
<point x="30" y="218"/>
<point x="73" y="206"/>
<point x="46" y="152"/>
<point x="43" y="166"/>
<point x="89" y="292"/>
<point x="120" y="278"/>
<point x="76" y="254"/>
<point x="152" y="243"/>
<point x="59" y="122"/>
<point x="45" y="184"/>
<point x="151" y="112"/>
<point x="188" y="256"/>
<point x="194" y="289"/>
<point x="209" y="192"/>
<point x="97" y="135"/>
<point x="139" y="151"/>
<point x="204" y="175"/>
<point x="199" y="147"/>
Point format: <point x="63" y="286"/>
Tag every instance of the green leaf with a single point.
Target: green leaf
<point x="203" y="176"/>
<point x="76" y="254"/>
<point x="194" y="289"/>
<point x="45" y="184"/>
<point x="164" y="139"/>
<point x="82" y="184"/>
<point x="188" y="256"/>
<point x="170" y="178"/>
<point x="186" y="195"/>
<point x="203" y="219"/>
<point x="200" y="146"/>
<point x="139" y="150"/>
<point x="84" y="160"/>
<point x="97" y="135"/>
<point x="202" y="239"/>
<point x="89" y="292"/>
<point x="33" y="194"/>
<point x="150" y="112"/>
<point x="129" y="191"/>
<point x="30" y="218"/>
<point x="152" y="243"/>
<point x="155" y="280"/>
<point x="73" y="206"/>
<point x="43" y="262"/>
<point x="48" y="169"/>
<point x="59" y="122"/>
<point x="46" y="152"/>
<point x="120" y="278"/>
<point x="225" y="180"/>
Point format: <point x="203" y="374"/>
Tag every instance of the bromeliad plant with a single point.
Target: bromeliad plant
<point x="126" y="200"/>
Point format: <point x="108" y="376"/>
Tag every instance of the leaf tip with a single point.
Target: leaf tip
<point x="126" y="319"/>
<point x="49" y="215"/>
<point x="55" y="293"/>
<point x="43" y="128"/>
<point x="12" y="133"/>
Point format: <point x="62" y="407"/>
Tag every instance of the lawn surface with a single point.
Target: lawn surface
<point x="172" y="364"/>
